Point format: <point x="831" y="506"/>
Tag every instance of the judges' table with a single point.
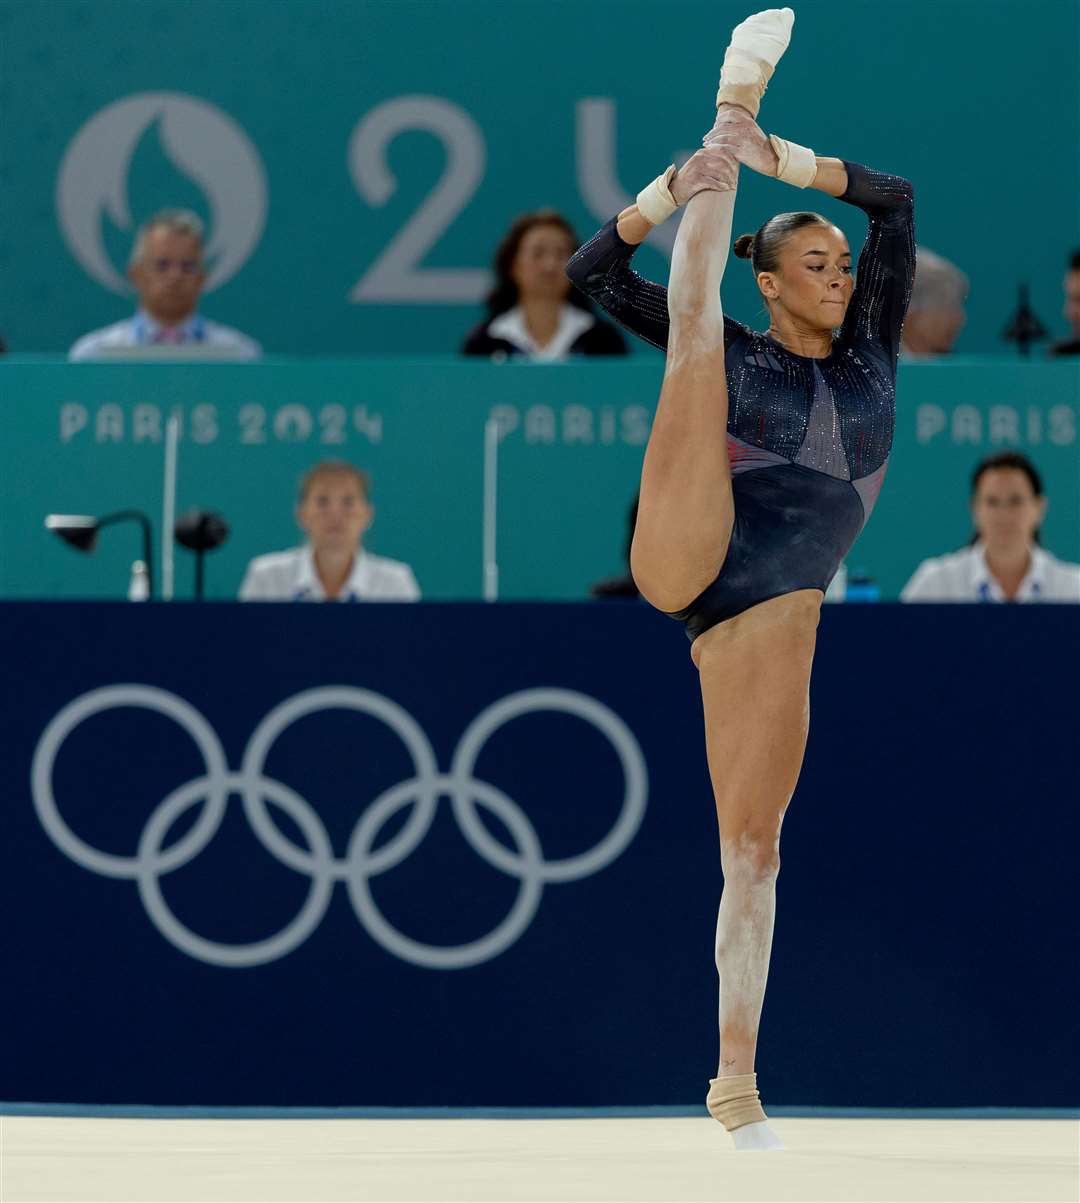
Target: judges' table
<point x="88" y="439"/>
<point x="460" y="855"/>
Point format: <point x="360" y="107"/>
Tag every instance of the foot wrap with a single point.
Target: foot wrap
<point x="757" y="45"/>
<point x="734" y="1101"/>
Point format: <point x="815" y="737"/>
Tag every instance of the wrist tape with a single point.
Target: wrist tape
<point x="734" y="1101"/>
<point x="655" y="202"/>
<point x="797" y="164"/>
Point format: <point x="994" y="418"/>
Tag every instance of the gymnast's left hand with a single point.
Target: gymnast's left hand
<point x="739" y="134"/>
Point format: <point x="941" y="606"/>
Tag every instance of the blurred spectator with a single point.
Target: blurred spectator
<point x="1071" y="345"/>
<point x="334" y="511"/>
<point x="1004" y="561"/>
<point x="936" y="314"/>
<point x="166" y="267"/>
<point x="624" y="585"/>
<point x="533" y="310"/>
<point x="837" y="590"/>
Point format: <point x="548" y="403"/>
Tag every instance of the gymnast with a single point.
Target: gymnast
<point x="766" y="455"/>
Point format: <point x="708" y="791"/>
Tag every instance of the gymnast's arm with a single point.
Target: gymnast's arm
<point x="886" y="266"/>
<point x="601" y="268"/>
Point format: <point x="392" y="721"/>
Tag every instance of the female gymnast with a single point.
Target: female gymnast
<point x="765" y="458"/>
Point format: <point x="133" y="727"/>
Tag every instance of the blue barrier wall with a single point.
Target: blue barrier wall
<point x="926" y="915"/>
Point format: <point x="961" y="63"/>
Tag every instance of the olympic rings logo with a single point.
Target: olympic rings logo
<point x="362" y="862"/>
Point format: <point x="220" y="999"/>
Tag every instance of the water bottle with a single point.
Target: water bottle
<point x="139" y="585"/>
<point x="861" y="587"/>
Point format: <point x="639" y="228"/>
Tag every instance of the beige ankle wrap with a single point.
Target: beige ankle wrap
<point x="743" y="80"/>
<point x="757" y="45"/>
<point x="734" y="1100"/>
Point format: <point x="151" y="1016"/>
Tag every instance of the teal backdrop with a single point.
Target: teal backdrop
<point x="87" y="438"/>
<point x="357" y="162"/>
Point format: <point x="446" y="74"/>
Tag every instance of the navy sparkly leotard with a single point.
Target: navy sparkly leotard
<point x="808" y="439"/>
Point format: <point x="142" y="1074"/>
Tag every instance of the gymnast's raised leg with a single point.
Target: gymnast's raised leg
<point x="686" y="509"/>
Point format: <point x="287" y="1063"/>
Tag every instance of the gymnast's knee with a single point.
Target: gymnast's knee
<point x="752" y="855"/>
<point x="666" y="590"/>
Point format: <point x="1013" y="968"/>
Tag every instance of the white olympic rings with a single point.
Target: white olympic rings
<point x="152" y="860"/>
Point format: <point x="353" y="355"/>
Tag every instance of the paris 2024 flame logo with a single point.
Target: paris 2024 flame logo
<point x="202" y="143"/>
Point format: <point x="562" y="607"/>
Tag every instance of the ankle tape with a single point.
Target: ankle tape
<point x="734" y="1101"/>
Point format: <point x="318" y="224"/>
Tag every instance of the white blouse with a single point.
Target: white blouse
<point x="963" y="576"/>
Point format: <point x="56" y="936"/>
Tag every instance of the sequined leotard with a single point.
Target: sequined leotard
<point x="808" y="439"/>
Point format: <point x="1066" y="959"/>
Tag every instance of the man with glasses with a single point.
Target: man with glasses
<point x="166" y="268"/>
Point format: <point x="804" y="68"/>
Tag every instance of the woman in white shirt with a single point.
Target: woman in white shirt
<point x="334" y="511"/>
<point x="533" y="313"/>
<point x="1004" y="561"/>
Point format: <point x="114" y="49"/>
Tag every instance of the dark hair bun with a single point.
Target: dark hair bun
<point x="744" y="246"/>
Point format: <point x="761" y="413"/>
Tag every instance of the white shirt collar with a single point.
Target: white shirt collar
<point x="192" y="328"/>
<point x="1032" y="587"/>
<point x="573" y="323"/>
<point x="308" y="585"/>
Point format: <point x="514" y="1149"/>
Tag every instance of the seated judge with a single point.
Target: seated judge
<point x="334" y="511"/>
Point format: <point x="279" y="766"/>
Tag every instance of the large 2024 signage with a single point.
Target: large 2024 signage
<point x="211" y="148"/>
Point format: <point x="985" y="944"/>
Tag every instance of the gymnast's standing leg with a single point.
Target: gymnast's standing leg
<point x="754" y="668"/>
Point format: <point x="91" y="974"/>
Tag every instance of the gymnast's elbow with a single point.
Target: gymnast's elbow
<point x="905" y="193"/>
<point x="578" y="269"/>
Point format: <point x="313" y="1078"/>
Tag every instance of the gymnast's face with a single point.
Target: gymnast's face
<point x="813" y="284"/>
<point x="539" y="267"/>
<point x="1006" y="510"/>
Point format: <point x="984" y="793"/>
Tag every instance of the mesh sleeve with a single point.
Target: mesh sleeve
<point x="601" y="269"/>
<point x="886" y="266"/>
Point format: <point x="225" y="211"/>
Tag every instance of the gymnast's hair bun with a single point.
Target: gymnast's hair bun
<point x="744" y="246"/>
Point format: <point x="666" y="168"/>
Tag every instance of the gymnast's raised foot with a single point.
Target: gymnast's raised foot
<point x="757" y="45"/>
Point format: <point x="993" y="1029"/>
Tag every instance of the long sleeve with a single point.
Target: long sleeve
<point x="886" y="267"/>
<point x="601" y="269"/>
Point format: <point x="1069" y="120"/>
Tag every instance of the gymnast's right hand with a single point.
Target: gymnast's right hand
<point x="711" y="169"/>
<point x="739" y="134"/>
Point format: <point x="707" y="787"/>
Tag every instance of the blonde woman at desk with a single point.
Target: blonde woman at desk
<point x="334" y="511"/>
